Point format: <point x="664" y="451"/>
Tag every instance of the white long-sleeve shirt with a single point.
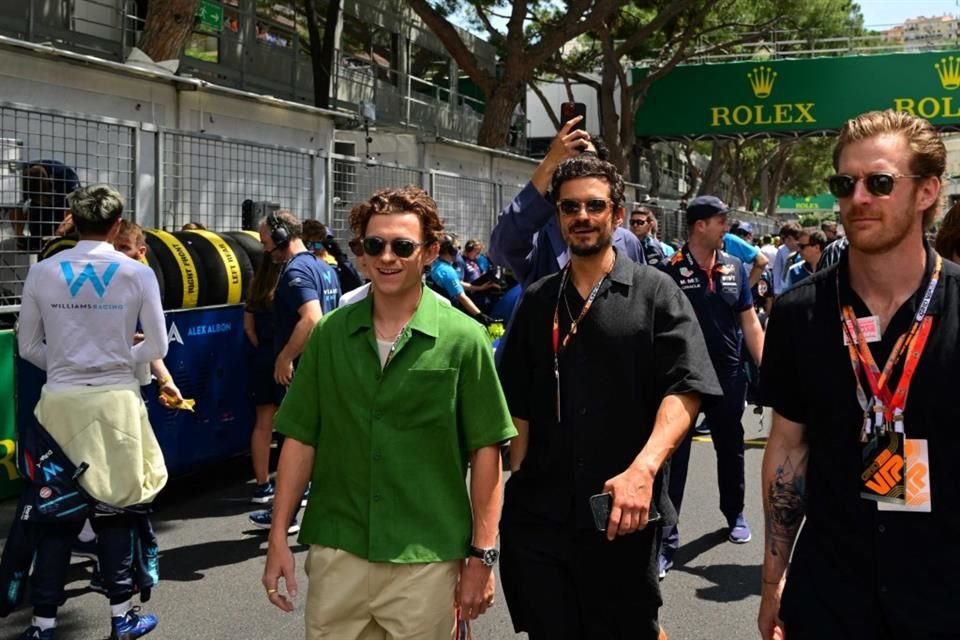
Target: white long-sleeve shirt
<point x="79" y="312"/>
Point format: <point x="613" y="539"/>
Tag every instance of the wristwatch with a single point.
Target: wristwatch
<point x="488" y="557"/>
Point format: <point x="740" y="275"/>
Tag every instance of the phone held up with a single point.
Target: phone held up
<point x="570" y="110"/>
<point x="602" y="503"/>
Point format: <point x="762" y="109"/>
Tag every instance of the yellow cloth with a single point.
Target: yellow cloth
<point x="108" y="428"/>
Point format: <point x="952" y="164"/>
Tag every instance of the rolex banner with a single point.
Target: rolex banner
<point x="783" y="96"/>
<point x="9" y="478"/>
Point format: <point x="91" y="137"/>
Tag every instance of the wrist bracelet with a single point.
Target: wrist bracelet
<point x="164" y="380"/>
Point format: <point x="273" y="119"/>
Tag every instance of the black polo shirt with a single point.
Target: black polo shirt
<point x="849" y="555"/>
<point x="718" y="298"/>
<point x="639" y="342"/>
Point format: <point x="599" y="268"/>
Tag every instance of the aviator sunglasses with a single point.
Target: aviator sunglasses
<point x="402" y="247"/>
<point x="572" y="207"/>
<point x="878" y="184"/>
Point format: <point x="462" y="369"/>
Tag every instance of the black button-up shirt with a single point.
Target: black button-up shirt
<point x="869" y="563"/>
<point x="639" y="342"/>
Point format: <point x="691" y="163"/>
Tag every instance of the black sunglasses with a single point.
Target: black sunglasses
<point x="637" y="223"/>
<point x="594" y="206"/>
<point x="800" y="245"/>
<point x="878" y="184"/>
<point x="401" y="247"/>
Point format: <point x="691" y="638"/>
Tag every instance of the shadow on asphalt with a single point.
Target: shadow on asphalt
<point x="704" y="543"/>
<point x="187" y="564"/>
<point x="731" y="582"/>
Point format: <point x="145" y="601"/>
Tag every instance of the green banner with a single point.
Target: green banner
<point x="822" y="202"/>
<point x="782" y="96"/>
<point x="9" y="478"/>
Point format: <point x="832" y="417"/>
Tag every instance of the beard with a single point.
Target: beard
<point x="604" y="240"/>
<point x="884" y="235"/>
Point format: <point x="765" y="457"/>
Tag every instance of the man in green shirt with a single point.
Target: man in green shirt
<point x="394" y="395"/>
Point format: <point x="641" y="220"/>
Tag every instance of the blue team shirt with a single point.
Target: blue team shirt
<point x="739" y="248"/>
<point x="718" y="299"/>
<point x="796" y="273"/>
<point x="446" y="277"/>
<point x="304" y="278"/>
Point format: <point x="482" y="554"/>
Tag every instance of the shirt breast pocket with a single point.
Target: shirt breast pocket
<point x="427" y="398"/>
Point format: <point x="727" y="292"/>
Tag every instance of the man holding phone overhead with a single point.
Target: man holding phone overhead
<point x="601" y="330"/>
<point x="526" y="237"/>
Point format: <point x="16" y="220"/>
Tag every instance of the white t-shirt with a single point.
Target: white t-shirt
<point x="79" y="312"/>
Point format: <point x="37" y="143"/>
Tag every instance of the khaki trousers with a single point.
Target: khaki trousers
<point x="350" y="598"/>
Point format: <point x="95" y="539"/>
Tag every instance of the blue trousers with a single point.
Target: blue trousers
<point x="115" y="548"/>
<point x="726" y="430"/>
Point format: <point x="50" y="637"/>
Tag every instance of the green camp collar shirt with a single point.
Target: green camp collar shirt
<point x="392" y="444"/>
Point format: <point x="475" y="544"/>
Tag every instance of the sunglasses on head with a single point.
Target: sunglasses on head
<point x="594" y="206"/>
<point x="401" y="247"/>
<point x="878" y="184"/>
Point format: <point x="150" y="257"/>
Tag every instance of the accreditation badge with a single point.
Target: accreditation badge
<point x="917" y="479"/>
<point x="883" y="478"/>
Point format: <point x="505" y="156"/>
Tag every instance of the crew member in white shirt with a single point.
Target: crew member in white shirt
<point x="79" y="314"/>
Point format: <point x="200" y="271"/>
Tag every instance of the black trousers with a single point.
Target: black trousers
<point x="726" y="430"/>
<point x="561" y="584"/>
<point x="115" y="549"/>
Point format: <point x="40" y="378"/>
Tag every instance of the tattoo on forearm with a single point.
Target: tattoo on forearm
<point x="786" y="505"/>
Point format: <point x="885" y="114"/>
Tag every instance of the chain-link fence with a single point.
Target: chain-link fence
<point x="44" y="155"/>
<point x="352" y="181"/>
<point x="468" y="206"/>
<point x="206" y="179"/>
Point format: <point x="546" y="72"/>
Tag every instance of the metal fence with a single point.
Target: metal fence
<point x="205" y="179"/>
<point x="45" y="155"/>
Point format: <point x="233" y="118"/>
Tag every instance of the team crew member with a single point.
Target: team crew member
<point x="878" y="551"/>
<point x="641" y="224"/>
<point x="79" y="315"/>
<point x="562" y="578"/>
<point x="716" y="283"/>
<point x="446" y="277"/>
<point x="410" y="397"/>
<point x="306" y="290"/>
<point x="527" y="238"/>
<point x="810" y="247"/>
<point x="744" y="250"/>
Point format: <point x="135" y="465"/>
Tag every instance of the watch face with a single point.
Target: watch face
<point x="490" y="557"/>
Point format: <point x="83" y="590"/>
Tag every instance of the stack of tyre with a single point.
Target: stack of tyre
<point x="194" y="268"/>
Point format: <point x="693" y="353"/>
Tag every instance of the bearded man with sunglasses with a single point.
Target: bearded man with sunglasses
<point x="865" y="456"/>
<point x="409" y="398"/>
<point x="603" y="372"/>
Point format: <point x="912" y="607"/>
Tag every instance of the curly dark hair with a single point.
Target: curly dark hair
<point x="589" y="166"/>
<point x="408" y="199"/>
<point x="948" y="237"/>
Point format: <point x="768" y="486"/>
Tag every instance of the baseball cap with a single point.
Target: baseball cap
<point x="746" y="227"/>
<point x="703" y="207"/>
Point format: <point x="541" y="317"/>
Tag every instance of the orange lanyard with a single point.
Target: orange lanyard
<point x="887" y="407"/>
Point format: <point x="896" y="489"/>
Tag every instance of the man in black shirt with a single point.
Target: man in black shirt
<point x="603" y="372"/>
<point x="867" y="459"/>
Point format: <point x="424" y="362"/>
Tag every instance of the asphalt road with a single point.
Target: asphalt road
<point x="211" y="561"/>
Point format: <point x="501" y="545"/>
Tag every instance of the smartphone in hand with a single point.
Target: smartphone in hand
<point x="602" y="503"/>
<point x="570" y="110"/>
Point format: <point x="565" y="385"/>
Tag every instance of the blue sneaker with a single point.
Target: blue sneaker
<point x="264" y="520"/>
<point x="740" y="531"/>
<point x="664" y="566"/>
<point x="132" y="625"/>
<point x="35" y="633"/>
<point x="263" y="493"/>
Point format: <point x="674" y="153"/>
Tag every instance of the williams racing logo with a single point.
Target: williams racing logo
<point x="99" y="282"/>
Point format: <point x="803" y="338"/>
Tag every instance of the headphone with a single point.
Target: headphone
<point x="279" y="233"/>
<point x="447" y="245"/>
